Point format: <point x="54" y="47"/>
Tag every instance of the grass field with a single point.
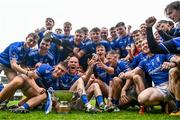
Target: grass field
<point x="130" y="114"/>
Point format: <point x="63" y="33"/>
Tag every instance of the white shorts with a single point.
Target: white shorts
<point x="163" y="88"/>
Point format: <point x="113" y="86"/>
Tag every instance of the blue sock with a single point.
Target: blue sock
<point x="26" y="106"/>
<point x="99" y="99"/>
<point x="115" y="102"/>
<point x="84" y="99"/>
<point x="177" y="104"/>
<point x="1" y="87"/>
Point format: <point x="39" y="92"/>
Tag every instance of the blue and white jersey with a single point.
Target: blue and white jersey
<point x="86" y="40"/>
<point x="113" y="44"/>
<point x="174" y="42"/>
<point x="66" y="81"/>
<point x="137" y="59"/>
<point x="45" y="76"/>
<point x="34" y="57"/>
<point x="15" y="51"/>
<point x="152" y="65"/>
<point x="91" y="46"/>
<point x="176" y="32"/>
<point x="54" y="50"/>
<point x="122" y="66"/>
<point x="122" y="43"/>
<point x="101" y="74"/>
<point x="64" y="37"/>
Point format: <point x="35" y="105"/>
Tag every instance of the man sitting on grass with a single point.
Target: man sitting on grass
<point x="33" y="88"/>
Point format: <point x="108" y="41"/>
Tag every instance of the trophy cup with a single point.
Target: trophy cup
<point x="64" y="98"/>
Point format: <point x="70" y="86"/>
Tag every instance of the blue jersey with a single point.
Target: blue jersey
<point x="86" y="40"/>
<point x="152" y="65"/>
<point x="34" y="57"/>
<point x="15" y="51"/>
<point x="137" y="59"/>
<point x="101" y="74"/>
<point x="91" y="46"/>
<point x="122" y="66"/>
<point x="69" y="38"/>
<point x="54" y="50"/>
<point x="66" y="81"/>
<point x="68" y="50"/>
<point x="45" y="79"/>
<point x="122" y="43"/>
<point x="113" y="43"/>
<point x="172" y="46"/>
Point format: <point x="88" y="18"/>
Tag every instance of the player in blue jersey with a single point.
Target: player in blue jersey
<point x="49" y="24"/>
<point x="34" y="88"/>
<point x="170" y="46"/>
<point x="91" y="46"/>
<point x="86" y="34"/>
<point x="123" y="41"/>
<point x="42" y="55"/>
<point x="99" y="85"/>
<point x="13" y="57"/>
<point x="114" y="36"/>
<point x="172" y="11"/>
<point x="75" y="83"/>
<point x="67" y="27"/>
<point x="156" y="66"/>
<point x="74" y="46"/>
<point x="122" y="93"/>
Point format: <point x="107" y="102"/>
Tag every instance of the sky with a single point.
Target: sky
<point x="20" y="17"/>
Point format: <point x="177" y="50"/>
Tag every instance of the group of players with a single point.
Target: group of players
<point x="128" y="68"/>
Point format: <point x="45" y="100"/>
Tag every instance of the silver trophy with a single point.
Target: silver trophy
<point x="64" y="98"/>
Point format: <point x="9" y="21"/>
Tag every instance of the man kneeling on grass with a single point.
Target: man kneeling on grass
<point x="33" y="88"/>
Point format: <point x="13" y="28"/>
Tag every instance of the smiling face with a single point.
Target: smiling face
<point x="145" y="47"/>
<point x="101" y="51"/>
<point x="49" y="23"/>
<point x="59" y="70"/>
<point x="173" y="15"/>
<point x="31" y="40"/>
<point x="95" y="36"/>
<point x="44" y="45"/>
<point x="121" y="30"/>
<point x="73" y="64"/>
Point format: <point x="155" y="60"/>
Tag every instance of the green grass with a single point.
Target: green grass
<point x="130" y="114"/>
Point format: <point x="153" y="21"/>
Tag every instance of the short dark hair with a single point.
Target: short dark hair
<point x="79" y="31"/>
<point x="119" y="24"/>
<point x="47" y="39"/>
<point x="85" y="29"/>
<point x="50" y="19"/>
<point x="112" y="28"/>
<point x="67" y="24"/>
<point x="95" y="29"/>
<point x="163" y="21"/>
<point x="34" y="35"/>
<point x="136" y="31"/>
